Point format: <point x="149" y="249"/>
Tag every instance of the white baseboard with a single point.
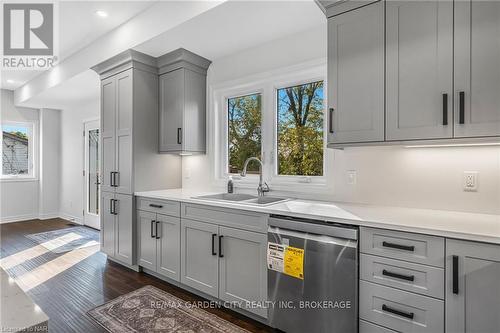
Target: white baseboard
<point x="71" y="218"/>
<point x="48" y="216"/>
<point x="19" y="218"/>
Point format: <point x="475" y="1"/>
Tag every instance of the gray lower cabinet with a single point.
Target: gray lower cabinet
<point x="117" y="235"/>
<point x="242" y="269"/>
<point x="159" y="243"/>
<point x="199" y="258"/>
<point x="472" y="287"/>
<point x="356" y="75"/>
<point x="227" y="263"/>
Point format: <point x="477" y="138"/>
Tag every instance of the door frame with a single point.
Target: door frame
<point x="95" y="124"/>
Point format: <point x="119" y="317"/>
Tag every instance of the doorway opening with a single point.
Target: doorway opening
<point x="91" y="175"/>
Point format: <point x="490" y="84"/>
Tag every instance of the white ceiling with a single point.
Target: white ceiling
<point x="78" y="27"/>
<point x="224" y="30"/>
<point x="235" y="26"/>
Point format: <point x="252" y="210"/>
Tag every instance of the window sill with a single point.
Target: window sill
<point x="17" y="179"/>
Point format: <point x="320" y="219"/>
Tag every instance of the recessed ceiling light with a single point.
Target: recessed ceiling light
<point x="101" y="13"/>
<point x="10" y="81"/>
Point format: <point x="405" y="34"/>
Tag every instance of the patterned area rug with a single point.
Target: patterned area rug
<point x="68" y="239"/>
<point x="150" y="309"/>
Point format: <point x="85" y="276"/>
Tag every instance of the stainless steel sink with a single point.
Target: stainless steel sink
<point x="240" y="198"/>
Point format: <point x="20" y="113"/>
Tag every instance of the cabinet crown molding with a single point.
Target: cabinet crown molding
<point x="125" y="60"/>
<point x="182" y="58"/>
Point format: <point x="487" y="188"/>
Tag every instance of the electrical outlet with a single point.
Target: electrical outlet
<point x="470" y="181"/>
<point x="352" y="177"/>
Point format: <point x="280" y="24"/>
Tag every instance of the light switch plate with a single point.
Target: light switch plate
<point x="352" y="177"/>
<point x="470" y="181"/>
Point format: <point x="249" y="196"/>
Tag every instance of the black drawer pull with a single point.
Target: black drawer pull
<point x="158" y="235"/>
<point x="155" y="206"/>
<point x="152" y="228"/>
<point x="455" y="274"/>
<point x="213" y="244"/>
<point x="220" y="247"/>
<point x="179" y="136"/>
<point x="445" y="109"/>
<point x="405" y="314"/>
<point x="398" y="276"/>
<point x="330" y="120"/>
<point x="399" y="246"/>
<point x="461" y="107"/>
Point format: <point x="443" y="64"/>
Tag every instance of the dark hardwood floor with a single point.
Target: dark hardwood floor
<point x="84" y="284"/>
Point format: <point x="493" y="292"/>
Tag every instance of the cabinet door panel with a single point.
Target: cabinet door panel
<point x="124" y="229"/>
<point x="475" y="307"/>
<point x="147" y="243"/>
<point x="108" y="112"/>
<point x="356" y="75"/>
<point x="477" y="67"/>
<point x="171" y="111"/>
<point x="124" y="114"/>
<point x="169" y="247"/>
<point x="242" y="269"/>
<point x="199" y="267"/>
<point x="107" y="224"/>
<point x="419" y="48"/>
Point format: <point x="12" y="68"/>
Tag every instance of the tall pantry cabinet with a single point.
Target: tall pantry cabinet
<point x="130" y="161"/>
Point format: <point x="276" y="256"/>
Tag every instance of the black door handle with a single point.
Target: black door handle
<point x="155" y="206"/>
<point x="221" y="255"/>
<point x="461" y="107"/>
<point x="455" y="274"/>
<point x="330" y="120"/>
<point x="179" y="136"/>
<point x="399" y="246"/>
<point x="213" y="244"/>
<point x="445" y="109"/>
<point x="158" y="236"/>
<point x="152" y="223"/>
<point x="398" y="276"/>
<point x="405" y="314"/>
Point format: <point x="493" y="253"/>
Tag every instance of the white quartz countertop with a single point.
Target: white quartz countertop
<point x="451" y="224"/>
<point x="17" y="310"/>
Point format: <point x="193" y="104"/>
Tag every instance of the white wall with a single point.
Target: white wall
<point x="397" y="176"/>
<point x="71" y="178"/>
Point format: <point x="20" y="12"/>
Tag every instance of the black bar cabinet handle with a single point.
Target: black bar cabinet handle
<point x="330" y="120"/>
<point x="179" y="135"/>
<point x="455" y="274"/>
<point x="111" y="206"/>
<point x="461" y="107"/>
<point x="155" y="206"/>
<point x="152" y="228"/>
<point x="114" y="179"/>
<point x="111" y="179"/>
<point x="405" y="314"/>
<point x="398" y="276"/>
<point x="158" y="235"/>
<point x="445" y="109"/>
<point x="399" y="246"/>
<point x="114" y="206"/>
<point x="221" y="255"/>
<point x="213" y="244"/>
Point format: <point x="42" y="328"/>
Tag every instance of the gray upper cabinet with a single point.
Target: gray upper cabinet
<point x="472" y="287"/>
<point x="182" y="116"/>
<point x="242" y="268"/>
<point x="419" y="70"/>
<point x="477" y="68"/>
<point x="356" y="75"/>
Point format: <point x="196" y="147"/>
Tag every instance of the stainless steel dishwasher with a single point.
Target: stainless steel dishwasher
<point x="312" y="276"/>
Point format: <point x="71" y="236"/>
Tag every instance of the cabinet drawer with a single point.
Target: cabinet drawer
<point x="422" y="249"/>
<point x="421" y="279"/>
<point x="171" y="208"/>
<point x="400" y="310"/>
<point x="226" y="217"/>
<point x="366" y="327"/>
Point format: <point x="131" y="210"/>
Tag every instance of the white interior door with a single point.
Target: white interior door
<point x="91" y="175"/>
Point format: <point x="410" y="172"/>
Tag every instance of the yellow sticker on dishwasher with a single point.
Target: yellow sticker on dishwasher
<point x="294" y="262"/>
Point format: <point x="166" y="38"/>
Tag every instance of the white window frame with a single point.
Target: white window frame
<point x="266" y="84"/>
<point x="32" y="142"/>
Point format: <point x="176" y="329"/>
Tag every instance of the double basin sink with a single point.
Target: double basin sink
<point x="241" y="198"/>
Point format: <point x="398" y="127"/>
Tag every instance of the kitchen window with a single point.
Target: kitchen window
<point x="17" y="150"/>
<point x="279" y="118"/>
